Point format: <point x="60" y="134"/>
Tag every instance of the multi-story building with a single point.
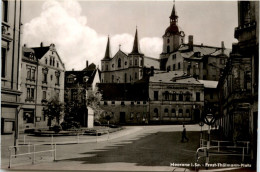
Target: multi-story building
<point x="175" y="97"/>
<point x="10" y="64"/>
<point x="238" y="86"/>
<point x="42" y="77"/>
<point x="125" y="68"/>
<point x="76" y="85"/>
<point x="126" y="103"/>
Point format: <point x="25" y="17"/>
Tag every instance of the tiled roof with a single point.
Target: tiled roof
<point x="40" y="51"/>
<point x="173" y="77"/>
<point x="79" y="75"/>
<point x="91" y="67"/>
<point x="209" y="84"/>
<point x="149" y="62"/>
<point x="203" y="50"/>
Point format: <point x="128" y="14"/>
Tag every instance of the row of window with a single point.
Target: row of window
<point x="52" y="61"/>
<point x="174" y="67"/>
<point x="45" y="76"/>
<point x="123" y="103"/>
<point x="176" y="96"/>
<point x="119" y="63"/>
<point x="125" y="78"/>
<point x="31" y="94"/>
<point x="173" y="113"/>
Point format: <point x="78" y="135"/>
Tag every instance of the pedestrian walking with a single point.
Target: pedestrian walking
<point x="184" y="134"/>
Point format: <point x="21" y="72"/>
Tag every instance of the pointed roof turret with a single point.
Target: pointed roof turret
<point x="173" y="17"/>
<point x="107" y="54"/>
<point x="136" y="44"/>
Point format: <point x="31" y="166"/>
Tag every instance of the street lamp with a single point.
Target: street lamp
<point x="209" y="120"/>
<point x="201" y="125"/>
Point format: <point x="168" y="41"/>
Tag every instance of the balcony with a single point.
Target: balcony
<point x="6" y="32"/>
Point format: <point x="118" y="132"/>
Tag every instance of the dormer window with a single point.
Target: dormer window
<point x="85" y="79"/>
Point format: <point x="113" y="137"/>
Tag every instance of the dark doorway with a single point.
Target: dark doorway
<point x="122" y="117"/>
<point x="196" y="115"/>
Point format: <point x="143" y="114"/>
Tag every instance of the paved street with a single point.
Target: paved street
<point x="142" y="148"/>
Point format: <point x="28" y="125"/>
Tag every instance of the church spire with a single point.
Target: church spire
<point x="107" y="54"/>
<point x="136" y="45"/>
<point x="173" y="17"/>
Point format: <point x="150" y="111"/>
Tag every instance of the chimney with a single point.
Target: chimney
<point x="222" y="47"/>
<point x="72" y="69"/>
<point x="191" y="42"/>
<point x="152" y="71"/>
<point x="41" y="44"/>
<point x="188" y="68"/>
<point x="86" y="63"/>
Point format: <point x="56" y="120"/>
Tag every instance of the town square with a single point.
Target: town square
<point x="129" y="85"/>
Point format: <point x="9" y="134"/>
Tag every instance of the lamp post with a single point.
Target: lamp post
<point x="209" y="120"/>
<point x="201" y="125"/>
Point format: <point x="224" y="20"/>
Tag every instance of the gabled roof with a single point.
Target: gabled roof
<point x="40" y="51"/>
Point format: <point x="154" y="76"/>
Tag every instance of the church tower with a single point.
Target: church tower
<point x="105" y="63"/>
<point x="172" y="39"/>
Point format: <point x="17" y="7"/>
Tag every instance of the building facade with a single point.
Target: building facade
<point x="10" y="64"/>
<point x="125" y="68"/>
<point x="175" y="97"/>
<point x="126" y="103"/>
<point x="238" y="86"/>
<point x="42" y="77"/>
<point x="76" y="85"/>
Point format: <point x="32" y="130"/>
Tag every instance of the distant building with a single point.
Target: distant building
<point x="125" y="68"/>
<point x="126" y="103"/>
<point x="76" y="85"/>
<point x="175" y="97"/>
<point x="10" y="69"/>
<point x="42" y="76"/>
<point x="238" y="85"/>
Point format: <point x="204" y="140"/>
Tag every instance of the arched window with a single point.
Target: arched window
<point x="168" y="49"/>
<point x="166" y="95"/>
<point x="156" y="115"/>
<point x="187" y="96"/>
<point x="135" y="62"/>
<point x="187" y="112"/>
<point x="180" y="112"/>
<point x="119" y="63"/>
<point x="181" y="96"/>
<point x="173" y="96"/>
<point x="166" y="112"/>
<point x="173" y="113"/>
<point x="168" y="41"/>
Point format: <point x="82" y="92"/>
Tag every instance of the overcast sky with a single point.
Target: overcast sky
<point x="79" y="29"/>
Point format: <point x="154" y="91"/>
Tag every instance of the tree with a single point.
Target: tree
<point x="53" y="110"/>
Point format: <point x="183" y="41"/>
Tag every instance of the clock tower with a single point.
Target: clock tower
<point x="172" y="39"/>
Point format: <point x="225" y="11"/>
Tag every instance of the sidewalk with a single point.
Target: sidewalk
<point x="61" y="140"/>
